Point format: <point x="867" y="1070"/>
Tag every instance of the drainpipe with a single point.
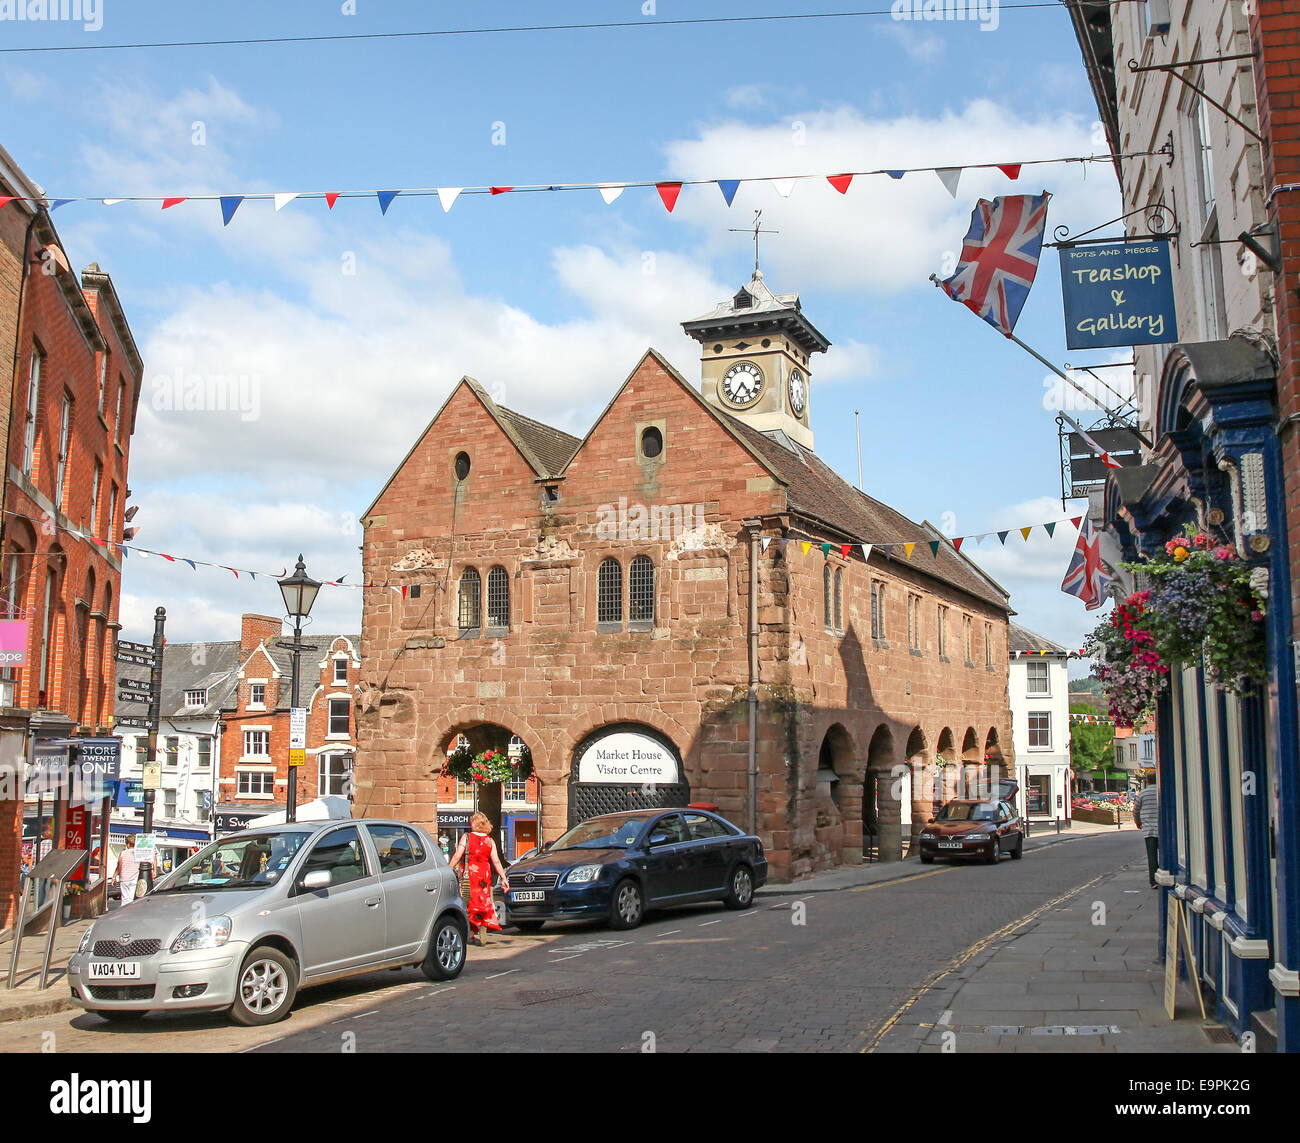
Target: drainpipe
<point x="753" y="525"/>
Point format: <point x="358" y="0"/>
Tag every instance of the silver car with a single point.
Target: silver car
<point x="255" y="916"/>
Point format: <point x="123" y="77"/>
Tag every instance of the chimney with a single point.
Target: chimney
<point x="255" y="629"/>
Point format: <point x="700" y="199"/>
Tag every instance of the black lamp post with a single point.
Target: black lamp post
<point x="299" y="591"/>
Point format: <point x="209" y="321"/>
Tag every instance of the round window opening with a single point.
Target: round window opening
<point x="462" y="465"/>
<point x="766" y="342"/>
<point x="652" y="442"/>
<point x="718" y="348"/>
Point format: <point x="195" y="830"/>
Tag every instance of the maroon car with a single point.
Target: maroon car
<point x="976" y="827"/>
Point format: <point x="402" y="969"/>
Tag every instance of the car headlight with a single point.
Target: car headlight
<point x="84" y="947"/>
<point x="927" y="837"/>
<point x="213" y="933"/>
<point x="581" y="874"/>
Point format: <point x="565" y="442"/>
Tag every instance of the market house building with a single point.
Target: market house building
<point x="639" y="608"/>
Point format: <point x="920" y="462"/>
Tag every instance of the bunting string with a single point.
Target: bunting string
<point x="668" y="190"/>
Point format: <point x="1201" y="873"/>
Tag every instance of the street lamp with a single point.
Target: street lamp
<point x="299" y="591"/>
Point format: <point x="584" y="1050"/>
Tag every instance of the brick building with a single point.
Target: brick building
<point x="1206" y="117"/>
<point x="638" y="607"/>
<point x="72" y="401"/>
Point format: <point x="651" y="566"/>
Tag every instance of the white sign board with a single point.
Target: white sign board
<point x="298" y="728"/>
<point x="624" y="757"/>
<point x="146" y="848"/>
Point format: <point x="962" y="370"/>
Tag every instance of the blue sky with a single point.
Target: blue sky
<point x="348" y="328"/>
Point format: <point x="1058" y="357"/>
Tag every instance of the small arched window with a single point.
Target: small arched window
<point x="839" y="599"/>
<point x="609" y="592"/>
<point x="826" y="596"/>
<point x="469" y="601"/>
<point x="498" y="598"/>
<point x="641" y="593"/>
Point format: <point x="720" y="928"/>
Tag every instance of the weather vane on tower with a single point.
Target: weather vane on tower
<point x="756" y="229"/>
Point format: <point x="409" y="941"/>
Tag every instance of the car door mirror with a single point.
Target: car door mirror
<point x="316" y="879"/>
<point x="930" y="822"/>
<point x="659" y="839"/>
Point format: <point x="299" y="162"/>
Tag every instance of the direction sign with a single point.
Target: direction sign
<point x="131" y="696"/>
<point x="133" y="685"/>
<point x="138" y="648"/>
<point x="138" y="660"/>
<point x="132" y="723"/>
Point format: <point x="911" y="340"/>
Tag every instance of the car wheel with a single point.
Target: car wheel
<point x="1019" y="851"/>
<point x="446" y="955"/>
<point x="995" y="851"/>
<point x="927" y="859"/>
<point x="121" y="1016"/>
<point x="265" y="988"/>
<point x="740" y="891"/>
<point x="627" y="905"/>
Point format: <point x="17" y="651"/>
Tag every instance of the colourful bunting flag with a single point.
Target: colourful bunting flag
<point x="1011" y="170"/>
<point x="908" y="549"/>
<point x="784" y="187"/>
<point x="229" y="204"/>
<point x="1050" y="526"/>
<point x="866" y="551"/>
<point x="934" y="548"/>
<point x="826" y="550"/>
<point x="840" y="182"/>
<point x="668" y="192"/>
<point x="844" y="550"/>
<point x="1076" y="520"/>
<point x="728" y="187"/>
<point x="763" y="543"/>
<point x="895" y="174"/>
<point x="447" y="196"/>
<point x="170" y="202"/>
<point x="807" y="544"/>
<point x="385" y="199"/>
<point x="58" y="202"/>
<point x="331" y="197"/>
<point x="950" y="177"/>
<point x="610" y="191"/>
<point x="957" y="542"/>
<point x="1024" y="532"/>
<point x="500" y="190"/>
<point x="1002" y="537"/>
<point x="283" y="200"/>
<point x="6" y="200"/>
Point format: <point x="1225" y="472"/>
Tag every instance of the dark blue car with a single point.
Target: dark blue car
<point x="619" y="865"/>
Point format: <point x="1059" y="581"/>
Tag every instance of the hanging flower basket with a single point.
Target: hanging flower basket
<point x="1126" y="661"/>
<point x="487" y="766"/>
<point x="1204" y="611"/>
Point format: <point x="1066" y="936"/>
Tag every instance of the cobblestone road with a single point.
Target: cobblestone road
<point x="818" y="971"/>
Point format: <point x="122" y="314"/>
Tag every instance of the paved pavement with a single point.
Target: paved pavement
<point x="863" y="959"/>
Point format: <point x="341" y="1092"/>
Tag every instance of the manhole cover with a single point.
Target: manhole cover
<point x="1217" y="1034"/>
<point x="551" y="995"/>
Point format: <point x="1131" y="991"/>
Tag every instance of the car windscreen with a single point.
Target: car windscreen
<point x="250" y="862"/>
<point x="602" y="833"/>
<point x="968" y="812"/>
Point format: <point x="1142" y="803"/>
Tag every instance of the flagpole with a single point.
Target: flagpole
<point x="1055" y="369"/>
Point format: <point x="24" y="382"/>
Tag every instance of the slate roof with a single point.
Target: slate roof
<point x="214" y="667"/>
<point x="553" y="447"/>
<point x="816" y="490"/>
<point x="1022" y="639"/>
<point x="283" y="659"/>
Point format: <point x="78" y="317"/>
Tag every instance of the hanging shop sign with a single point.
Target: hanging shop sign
<point x="1117" y="293"/>
<point x="13" y="642"/>
<point x="625" y="757"/>
<point x="97" y="763"/>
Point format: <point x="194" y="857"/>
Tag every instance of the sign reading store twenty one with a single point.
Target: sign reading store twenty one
<point x="1118" y="293"/>
<point x="626" y="757"/>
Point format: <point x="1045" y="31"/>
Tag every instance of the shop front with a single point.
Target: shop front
<point x="172" y="844"/>
<point x="1047" y="790"/>
<point x="231" y="817"/>
<point x="625" y="767"/>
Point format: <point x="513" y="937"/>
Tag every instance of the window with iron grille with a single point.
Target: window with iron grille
<point x="469" y="600"/>
<point x="839" y="599"/>
<point x="339" y="710"/>
<point x="826" y="596"/>
<point x="498" y="598"/>
<point x="609" y="592"/>
<point x="641" y="593"/>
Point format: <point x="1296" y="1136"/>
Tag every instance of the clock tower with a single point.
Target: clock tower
<point x="755" y="350"/>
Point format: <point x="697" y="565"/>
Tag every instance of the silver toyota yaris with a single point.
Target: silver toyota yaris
<point x="253" y="917"/>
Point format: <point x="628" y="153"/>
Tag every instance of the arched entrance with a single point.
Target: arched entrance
<point x="916" y="806"/>
<point x="945" y="773"/>
<point x="974" y="779"/>
<point x="625" y="766"/>
<point x="839" y="797"/>
<point x="511" y="806"/>
<point x="883" y="795"/>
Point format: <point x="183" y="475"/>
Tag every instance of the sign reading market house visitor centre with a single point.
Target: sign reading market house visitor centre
<point x="625" y="757"/>
<point x="1117" y="293"/>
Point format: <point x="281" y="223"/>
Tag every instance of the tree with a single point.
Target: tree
<point x="1092" y="744"/>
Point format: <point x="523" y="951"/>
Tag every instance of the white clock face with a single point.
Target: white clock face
<point x="742" y="383"/>
<point x="798" y="392"/>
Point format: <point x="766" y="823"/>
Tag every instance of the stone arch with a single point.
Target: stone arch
<point x="608" y="714"/>
<point x="838" y="797"/>
<point x="920" y="783"/>
<point x="483" y="734"/>
<point x="945" y="772"/>
<point x="603" y="793"/>
<point x="881" y="809"/>
<point x="973" y="771"/>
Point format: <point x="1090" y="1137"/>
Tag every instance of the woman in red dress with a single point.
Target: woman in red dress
<point x="481" y="852"/>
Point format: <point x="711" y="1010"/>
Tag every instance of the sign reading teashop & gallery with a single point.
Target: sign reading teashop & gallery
<point x="1117" y="293"/>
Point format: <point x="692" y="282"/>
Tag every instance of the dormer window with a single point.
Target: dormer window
<point x="743" y="300"/>
<point x="340" y="672"/>
<point x="196" y="698"/>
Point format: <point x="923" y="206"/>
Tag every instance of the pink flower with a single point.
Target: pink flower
<point x="1257" y="616"/>
<point x="1223" y="552"/>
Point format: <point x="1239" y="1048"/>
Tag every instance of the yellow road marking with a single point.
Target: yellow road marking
<point x="900" y="880"/>
<point x="978" y="947"/>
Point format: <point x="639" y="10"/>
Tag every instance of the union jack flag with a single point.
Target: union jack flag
<point x="999" y="258"/>
<point x="1087" y="576"/>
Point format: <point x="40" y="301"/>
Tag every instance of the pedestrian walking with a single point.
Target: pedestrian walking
<point x="480" y="854"/>
<point x="1146" y="815"/>
<point x="128" y="870"/>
